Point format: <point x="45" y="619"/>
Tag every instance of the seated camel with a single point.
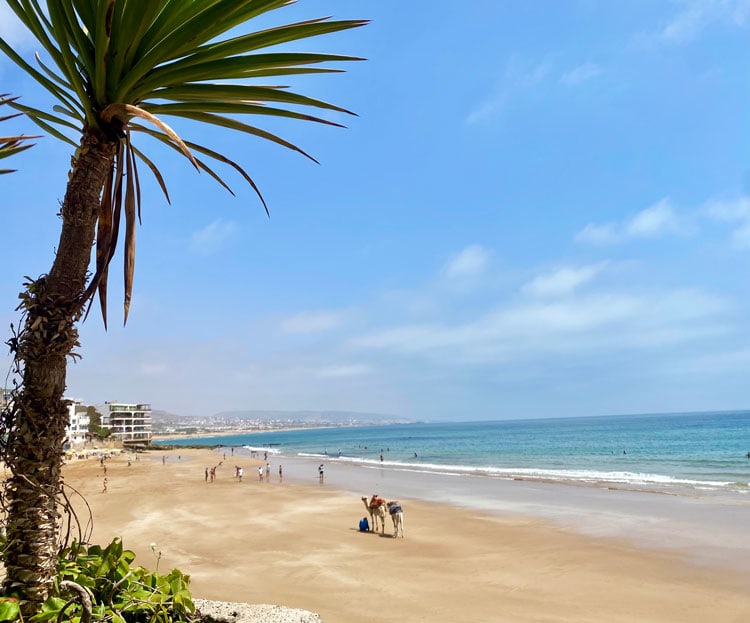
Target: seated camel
<point x="376" y="508"/>
<point x="397" y="515"/>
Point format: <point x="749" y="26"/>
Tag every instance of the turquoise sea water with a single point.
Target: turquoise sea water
<point x="700" y="451"/>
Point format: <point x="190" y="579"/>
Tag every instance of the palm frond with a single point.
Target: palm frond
<point x="12" y="145"/>
<point x="112" y="65"/>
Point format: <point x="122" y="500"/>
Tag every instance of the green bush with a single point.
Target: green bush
<point x="119" y="592"/>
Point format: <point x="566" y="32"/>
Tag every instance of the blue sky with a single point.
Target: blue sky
<point x="542" y="209"/>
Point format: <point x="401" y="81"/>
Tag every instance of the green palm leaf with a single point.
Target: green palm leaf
<point x="114" y="63"/>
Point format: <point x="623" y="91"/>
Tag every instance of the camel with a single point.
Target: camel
<point x="376" y="509"/>
<point x="397" y="515"/>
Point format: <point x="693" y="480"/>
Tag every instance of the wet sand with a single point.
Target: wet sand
<point x="296" y="543"/>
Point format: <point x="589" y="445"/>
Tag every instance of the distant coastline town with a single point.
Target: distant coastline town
<point x="135" y="425"/>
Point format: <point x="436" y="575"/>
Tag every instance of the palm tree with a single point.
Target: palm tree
<point x="117" y="68"/>
<point x="11" y="145"/>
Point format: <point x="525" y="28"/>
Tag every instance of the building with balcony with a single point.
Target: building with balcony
<point x="77" y="430"/>
<point x="129" y="423"/>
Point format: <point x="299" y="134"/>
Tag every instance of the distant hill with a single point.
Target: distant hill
<point x="165" y="422"/>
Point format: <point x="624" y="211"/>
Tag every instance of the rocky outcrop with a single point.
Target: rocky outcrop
<point x="233" y="612"/>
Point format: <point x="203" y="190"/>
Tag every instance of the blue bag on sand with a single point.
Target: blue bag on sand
<point x="364" y="525"/>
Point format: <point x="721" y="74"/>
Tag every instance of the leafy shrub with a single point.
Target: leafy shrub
<point x="119" y="592"/>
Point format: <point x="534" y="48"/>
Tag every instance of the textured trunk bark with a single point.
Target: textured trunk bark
<point x="52" y="305"/>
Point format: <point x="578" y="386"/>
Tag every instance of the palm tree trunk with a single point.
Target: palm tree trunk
<point x="34" y="451"/>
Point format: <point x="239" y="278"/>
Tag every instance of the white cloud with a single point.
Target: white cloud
<point x="310" y="322"/>
<point x="343" y="371"/>
<point x="517" y="77"/>
<point x="597" y="234"/>
<point x="580" y="74"/>
<point x="563" y="281"/>
<point x="572" y="327"/>
<point x="735" y="212"/>
<point x="656" y="221"/>
<point x="213" y="237"/>
<point x="469" y="263"/>
<point x="698" y="15"/>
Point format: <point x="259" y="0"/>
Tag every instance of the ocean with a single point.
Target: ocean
<point x="685" y="453"/>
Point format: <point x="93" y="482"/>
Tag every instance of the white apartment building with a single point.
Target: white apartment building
<point x="77" y="430"/>
<point x="129" y="423"/>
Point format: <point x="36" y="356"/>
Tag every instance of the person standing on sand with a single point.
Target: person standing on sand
<point x="320" y="472"/>
<point x="104" y="490"/>
<point x="239" y="473"/>
<point x="260" y="473"/>
<point x="281" y="473"/>
<point x="207" y="474"/>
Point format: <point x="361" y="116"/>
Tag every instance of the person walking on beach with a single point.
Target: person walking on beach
<point x="268" y="471"/>
<point x="239" y="474"/>
<point x="260" y="473"/>
<point x="281" y="473"/>
<point x="106" y="482"/>
<point x="207" y="474"/>
<point x="320" y="472"/>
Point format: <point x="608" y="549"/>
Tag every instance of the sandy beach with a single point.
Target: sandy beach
<point x="296" y="543"/>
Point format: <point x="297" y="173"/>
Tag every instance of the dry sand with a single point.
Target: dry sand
<point x="298" y="545"/>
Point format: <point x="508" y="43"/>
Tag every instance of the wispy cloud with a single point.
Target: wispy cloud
<point x="213" y="237"/>
<point x="343" y="371"/>
<point x="658" y="220"/>
<point x="613" y="321"/>
<point x="563" y="281"/>
<point x="735" y="212"/>
<point x="310" y="322"/>
<point x="467" y="264"/>
<point x="580" y="74"/>
<point x="518" y="77"/>
<point x="695" y="16"/>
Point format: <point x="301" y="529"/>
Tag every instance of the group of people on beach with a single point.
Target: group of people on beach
<point x="264" y="473"/>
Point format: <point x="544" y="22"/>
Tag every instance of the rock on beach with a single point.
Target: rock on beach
<point x="234" y="612"/>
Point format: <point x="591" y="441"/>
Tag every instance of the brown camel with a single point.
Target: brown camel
<point x="376" y="508"/>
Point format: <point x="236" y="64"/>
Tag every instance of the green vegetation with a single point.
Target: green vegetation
<point x="113" y="589"/>
<point x="95" y="423"/>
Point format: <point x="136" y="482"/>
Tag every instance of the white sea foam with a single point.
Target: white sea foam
<point x="592" y="477"/>
<point x="262" y="449"/>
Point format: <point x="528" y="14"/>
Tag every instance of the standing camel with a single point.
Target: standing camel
<point x="397" y="515"/>
<point x="376" y="508"/>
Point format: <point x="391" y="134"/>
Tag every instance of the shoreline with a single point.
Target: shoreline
<point x="229" y="433"/>
<point x="295" y="543"/>
<point x="706" y="526"/>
